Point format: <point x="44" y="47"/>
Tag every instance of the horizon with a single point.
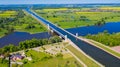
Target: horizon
<point x="65" y="3"/>
<point x="7" y="2"/>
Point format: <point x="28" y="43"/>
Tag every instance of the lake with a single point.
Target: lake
<point x="16" y="37"/>
<point x="112" y="27"/>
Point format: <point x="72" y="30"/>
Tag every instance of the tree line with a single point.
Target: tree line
<point x="106" y="38"/>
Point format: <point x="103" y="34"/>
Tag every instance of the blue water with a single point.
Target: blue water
<point x="16" y="37"/>
<point x="112" y="27"/>
<point x="94" y="52"/>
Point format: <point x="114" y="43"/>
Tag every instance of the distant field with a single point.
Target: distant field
<point x="8" y="14"/>
<point x="69" y="18"/>
<point x="55" y="9"/>
<point x="110" y="8"/>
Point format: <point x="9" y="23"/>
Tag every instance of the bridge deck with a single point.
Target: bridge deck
<point x="99" y="55"/>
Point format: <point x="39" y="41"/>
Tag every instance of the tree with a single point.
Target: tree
<point x="13" y="48"/>
<point x="23" y="45"/>
<point x="44" y="41"/>
<point x="55" y="39"/>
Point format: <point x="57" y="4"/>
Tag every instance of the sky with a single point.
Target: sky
<point x="56" y="1"/>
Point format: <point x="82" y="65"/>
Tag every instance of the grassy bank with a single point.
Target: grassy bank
<point x="82" y="57"/>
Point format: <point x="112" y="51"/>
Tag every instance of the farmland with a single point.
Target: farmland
<point x="76" y="17"/>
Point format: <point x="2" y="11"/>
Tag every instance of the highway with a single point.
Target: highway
<point x="97" y="54"/>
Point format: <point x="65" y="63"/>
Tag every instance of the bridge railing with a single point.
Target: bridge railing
<point x="58" y="32"/>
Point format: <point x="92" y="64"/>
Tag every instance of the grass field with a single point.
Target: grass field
<point x="40" y="60"/>
<point x="38" y="27"/>
<point x="8" y="14"/>
<point x="2" y="32"/>
<point x="69" y="18"/>
<point x="54" y="62"/>
<point x="3" y="65"/>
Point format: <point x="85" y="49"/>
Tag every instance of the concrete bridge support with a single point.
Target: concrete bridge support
<point x="51" y="31"/>
<point x="60" y="37"/>
<point x="48" y="26"/>
<point x="66" y="39"/>
<point x="76" y="34"/>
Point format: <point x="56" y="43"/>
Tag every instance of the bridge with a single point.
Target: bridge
<point x="97" y="54"/>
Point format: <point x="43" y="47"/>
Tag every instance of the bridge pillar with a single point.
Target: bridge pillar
<point x="66" y="39"/>
<point x="76" y="34"/>
<point x="51" y="31"/>
<point x="48" y="26"/>
<point x="60" y="36"/>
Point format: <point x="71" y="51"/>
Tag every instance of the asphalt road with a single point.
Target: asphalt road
<point x="99" y="55"/>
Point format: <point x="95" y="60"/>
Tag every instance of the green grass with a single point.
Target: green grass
<point x="54" y="62"/>
<point x="16" y="65"/>
<point x="2" y="32"/>
<point x="51" y="62"/>
<point x="82" y="57"/>
<point x="3" y="65"/>
<point x="105" y="48"/>
<point x="38" y="28"/>
<point x="36" y="55"/>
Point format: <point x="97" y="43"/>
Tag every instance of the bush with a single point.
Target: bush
<point x="25" y="61"/>
<point x="59" y="55"/>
